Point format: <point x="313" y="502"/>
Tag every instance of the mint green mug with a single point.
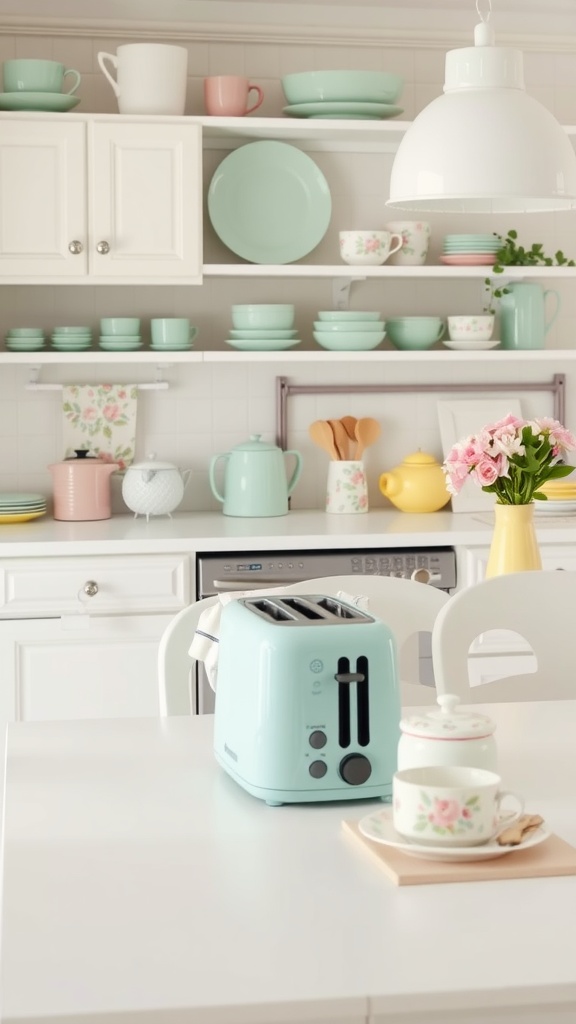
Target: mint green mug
<point x="30" y="75"/>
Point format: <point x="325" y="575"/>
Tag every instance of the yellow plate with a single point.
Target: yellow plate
<point x="21" y="517"/>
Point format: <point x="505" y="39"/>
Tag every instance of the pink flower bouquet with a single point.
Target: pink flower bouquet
<point x="511" y="459"/>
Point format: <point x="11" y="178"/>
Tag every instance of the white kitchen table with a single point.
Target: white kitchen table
<point x="141" y="885"/>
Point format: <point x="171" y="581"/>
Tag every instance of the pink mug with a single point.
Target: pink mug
<point x="228" y="96"/>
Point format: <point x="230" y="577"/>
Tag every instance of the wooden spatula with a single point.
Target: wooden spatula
<point x="340" y="438"/>
<point x="349" y="424"/>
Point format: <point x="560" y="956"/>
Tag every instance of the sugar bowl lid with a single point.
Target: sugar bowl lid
<point x="448" y="723"/>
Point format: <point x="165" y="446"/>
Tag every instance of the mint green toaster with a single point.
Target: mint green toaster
<point x="307" y="699"/>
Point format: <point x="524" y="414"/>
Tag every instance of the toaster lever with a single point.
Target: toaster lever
<point x="349" y="677"/>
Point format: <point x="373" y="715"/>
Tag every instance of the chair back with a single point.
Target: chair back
<point x="407" y="607"/>
<point x="538" y="605"/>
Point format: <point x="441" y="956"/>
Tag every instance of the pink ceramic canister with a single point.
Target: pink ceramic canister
<point x="82" y="488"/>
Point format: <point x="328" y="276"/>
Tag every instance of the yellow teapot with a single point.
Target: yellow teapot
<point x="418" y="484"/>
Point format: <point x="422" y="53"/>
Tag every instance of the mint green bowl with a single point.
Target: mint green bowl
<point x="347" y="86"/>
<point x="342" y="315"/>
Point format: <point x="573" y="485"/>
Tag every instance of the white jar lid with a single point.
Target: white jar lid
<point x="448" y="723"/>
<point x="152" y="463"/>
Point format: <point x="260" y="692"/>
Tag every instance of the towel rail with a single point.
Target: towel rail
<point x="35" y="385"/>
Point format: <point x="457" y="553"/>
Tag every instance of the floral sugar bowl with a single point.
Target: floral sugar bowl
<point x="448" y="736"/>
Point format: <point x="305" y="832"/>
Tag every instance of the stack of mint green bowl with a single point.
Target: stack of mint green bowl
<point x="348" y="331"/>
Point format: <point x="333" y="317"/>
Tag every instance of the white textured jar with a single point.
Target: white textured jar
<point x="448" y="736"/>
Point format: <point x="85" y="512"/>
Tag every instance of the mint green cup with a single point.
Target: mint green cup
<point x="415" y="332"/>
<point x="38" y="76"/>
<point x="167" y="332"/>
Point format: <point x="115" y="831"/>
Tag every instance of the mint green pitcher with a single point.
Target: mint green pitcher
<point x="523" y="322"/>
<point x="255" y="480"/>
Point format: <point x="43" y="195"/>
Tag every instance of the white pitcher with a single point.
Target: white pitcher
<point x="150" y="77"/>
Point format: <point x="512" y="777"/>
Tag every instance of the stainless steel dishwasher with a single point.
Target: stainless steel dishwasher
<point x="256" y="570"/>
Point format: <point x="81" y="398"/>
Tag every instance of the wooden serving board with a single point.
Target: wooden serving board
<point x="552" y="857"/>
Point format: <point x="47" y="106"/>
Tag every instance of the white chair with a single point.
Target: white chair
<point x="409" y="608"/>
<point x="539" y="606"/>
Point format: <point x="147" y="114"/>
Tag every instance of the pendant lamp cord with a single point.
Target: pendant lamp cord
<point x="485" y="17"/>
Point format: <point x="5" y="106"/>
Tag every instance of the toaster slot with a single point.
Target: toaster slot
<point x="362" y="702"/>
<point x="343" y="702"/>
<point x="338" y="609"/>
<point x="303" y="607"/>
<point x="272" y="610"/>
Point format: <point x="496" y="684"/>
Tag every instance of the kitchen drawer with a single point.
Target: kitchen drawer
<point x="102" y="585"/>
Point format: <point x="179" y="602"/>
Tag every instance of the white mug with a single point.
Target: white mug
<point x="451" y="806"/>
<point x="150" y="77"/>
<point x="415" y="242"/>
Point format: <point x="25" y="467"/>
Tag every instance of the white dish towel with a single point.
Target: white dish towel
<point x="100" y="418"/>
<point x="204" y="646"/>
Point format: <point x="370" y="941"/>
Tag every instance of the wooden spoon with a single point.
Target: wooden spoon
<point x="321" y="433"/>
<point x="349" y="424"/>
<point x="340" y="438"/>
<point x="367" y="431"/>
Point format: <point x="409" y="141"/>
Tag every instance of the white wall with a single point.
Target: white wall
<point x="208" y="409"/>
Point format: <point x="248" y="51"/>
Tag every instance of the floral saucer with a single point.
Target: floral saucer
<point x="379" y="827"/>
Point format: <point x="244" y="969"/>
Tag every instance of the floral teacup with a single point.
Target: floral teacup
<point x="368" y="248"/>
<point x="415" y="241"/>
<point x="451" y="806"/>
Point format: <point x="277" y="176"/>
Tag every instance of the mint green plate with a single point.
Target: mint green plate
<point x="341" y="109"/>
<point x="262" y="344"/>
<point x="53" y="101"/>
<point x="269" y="202"/>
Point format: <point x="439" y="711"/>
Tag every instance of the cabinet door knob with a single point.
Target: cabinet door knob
<point x="91" y="588"/>
<point x="103" y="248"/>
<point x="75" y="247"/>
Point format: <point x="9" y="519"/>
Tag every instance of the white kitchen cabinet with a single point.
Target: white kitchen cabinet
<point x="104" y="201"/>
<point x="79" y="635"/>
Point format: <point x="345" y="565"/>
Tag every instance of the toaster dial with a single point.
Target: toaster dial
<point x="355" y="769"/>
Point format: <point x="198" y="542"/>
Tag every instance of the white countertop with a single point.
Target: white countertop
<point x="140" y="880"/>
<point x="213" y="531"/>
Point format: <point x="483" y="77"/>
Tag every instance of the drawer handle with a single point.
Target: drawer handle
<point x="103" y="248"/>
<point x="91" y="588"/>
<point x="75" y="248"/>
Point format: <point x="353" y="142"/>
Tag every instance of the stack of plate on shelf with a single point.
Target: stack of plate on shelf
<point x="561" y="495"/>
<point x="348" y="331"/>
<point x="357" y="95"/>
<point x="71" y="339"/>
<point x="470" y="250"/>
<point x="263" y="327"/>
<point x="18" y="507"/>
<point x="25" y="339"/>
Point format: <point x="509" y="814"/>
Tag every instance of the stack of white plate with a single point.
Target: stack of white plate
<point x="25" y="339"/>
<point x="470" y="250"/>
<point x="348" y="331"/>
<point x="71" y="339"/>
<point x="19" y="507"/>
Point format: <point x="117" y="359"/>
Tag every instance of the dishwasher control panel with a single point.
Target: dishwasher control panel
<point x="251" y="570"/>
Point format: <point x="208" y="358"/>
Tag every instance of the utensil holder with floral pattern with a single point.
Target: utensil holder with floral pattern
<point x="346" y="491"/>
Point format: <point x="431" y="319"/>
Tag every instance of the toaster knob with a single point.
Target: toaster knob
<point x="355" y="769"/>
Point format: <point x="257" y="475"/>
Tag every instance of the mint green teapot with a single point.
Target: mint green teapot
<point x="524" y="322"/>
<point x="255" y="481"/>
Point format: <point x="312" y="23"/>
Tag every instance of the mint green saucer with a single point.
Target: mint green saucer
<point x="57" y="102"/>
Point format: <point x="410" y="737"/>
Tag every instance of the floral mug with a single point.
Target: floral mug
<point x="415" y="242"/>
<point x="346" y="489"/>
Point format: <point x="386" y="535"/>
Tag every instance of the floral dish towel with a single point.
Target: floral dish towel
<point x="102" y="419"/>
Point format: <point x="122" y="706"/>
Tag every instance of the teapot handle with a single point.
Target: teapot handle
<point x="297" y="470"/>
<point x="185" y="474"/>
<point x="213" y="486"/>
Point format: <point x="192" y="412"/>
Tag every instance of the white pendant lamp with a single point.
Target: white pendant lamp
<point x="485" y="145"/>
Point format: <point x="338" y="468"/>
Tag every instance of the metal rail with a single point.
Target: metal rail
<point x="284" y="390"/>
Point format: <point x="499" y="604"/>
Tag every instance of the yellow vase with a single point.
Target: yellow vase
<point x="514" y="545"/>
